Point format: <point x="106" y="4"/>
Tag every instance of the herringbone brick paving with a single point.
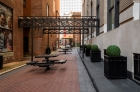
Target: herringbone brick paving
<point x="61" y="78"/>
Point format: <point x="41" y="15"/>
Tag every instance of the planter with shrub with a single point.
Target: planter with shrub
<point x="95" y="54"/>
<point x="115" y="65"/>
<point x="87" y="50"/>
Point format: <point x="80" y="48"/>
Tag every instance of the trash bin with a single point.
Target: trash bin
<point x="48" y="50"/>
<point x="1" y="61"/>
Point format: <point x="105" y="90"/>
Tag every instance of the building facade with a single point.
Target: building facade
<point x="20" y="38"/>
<point x="119" y="25"/>
<point x="68" y="6"/>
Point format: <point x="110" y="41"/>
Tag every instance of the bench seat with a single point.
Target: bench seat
<point x="60" y="61"/>
<point x="49" y="60"/>
<point x="44" y="65"/>
<point x="53" y="62"/>
<point x="32" y="63"/>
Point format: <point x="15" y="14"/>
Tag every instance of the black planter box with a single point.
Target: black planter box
<point x="95" y="56"/>
<point x="87" y="52"/>
<point x="115" y="67"/>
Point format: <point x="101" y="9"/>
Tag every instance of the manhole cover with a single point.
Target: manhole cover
<point x="36" y="82"/>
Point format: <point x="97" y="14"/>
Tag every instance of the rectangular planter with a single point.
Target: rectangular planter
<point x="115" y="67"/>
<point x="87" y="52"/>
<point x="95" y="56"/>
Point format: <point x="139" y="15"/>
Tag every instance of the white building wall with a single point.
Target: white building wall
<point x="126" y="37"/>
<point x="131" y="13"/>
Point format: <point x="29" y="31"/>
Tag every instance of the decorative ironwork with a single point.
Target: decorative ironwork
<point x="69" y="30"/>
<point x="65" y="31"/>
<point x="65" y="21"/>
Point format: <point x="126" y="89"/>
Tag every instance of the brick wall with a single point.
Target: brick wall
<point x="17" y="7"/>
<point x="57" y="5"/>
<point x="38" y="8"/>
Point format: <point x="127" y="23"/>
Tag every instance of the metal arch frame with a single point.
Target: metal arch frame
<point x="57" y="23"/>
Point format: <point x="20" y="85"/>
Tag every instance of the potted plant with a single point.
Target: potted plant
<point x="87" y="50"/>
<point x="95" y="54"/>
<point x="115" y="65"/>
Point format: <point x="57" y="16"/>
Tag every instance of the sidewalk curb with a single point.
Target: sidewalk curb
<point x="93" y="82"/>
<point x="12" y="69"/>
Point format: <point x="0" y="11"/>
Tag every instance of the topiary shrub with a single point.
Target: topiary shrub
<point x="94" y="48"/>
<point x="113" y="51"/>
<point x="85" y="45"/>
<point x="88" y="46"/>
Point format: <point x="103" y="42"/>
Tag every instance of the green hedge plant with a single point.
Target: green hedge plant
<point x="88" y="46"/>
<point x="113" y="51"/>
<point x="85" y="45"/>
<point x="94" y="47"/>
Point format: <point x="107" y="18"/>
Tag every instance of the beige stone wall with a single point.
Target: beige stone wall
<point x="124" y="4"/>
<point x="101" y="13"/>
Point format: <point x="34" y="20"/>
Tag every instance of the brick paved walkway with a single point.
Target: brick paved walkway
<point x="61" y="78"/>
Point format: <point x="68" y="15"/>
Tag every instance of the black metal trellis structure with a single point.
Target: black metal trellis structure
<point x="56" y="25"/>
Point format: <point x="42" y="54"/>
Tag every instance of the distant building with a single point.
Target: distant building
<point x="67" y="6"/>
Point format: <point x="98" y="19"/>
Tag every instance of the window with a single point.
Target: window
<point x="24" y="3"/>
<point x="98" y="15"/>
<point x="47" y="10"/>
<point x="113" y="14"/>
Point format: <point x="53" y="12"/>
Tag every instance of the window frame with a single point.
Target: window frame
<point x="116" y="14"/>
<point x="24" y="3"/>
<point x="98" y="16"/>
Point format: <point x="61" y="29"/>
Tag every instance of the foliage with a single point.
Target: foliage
<point x="88" y="46"/>
<point x="94" y="48"/>
<point x="113" y="51"/>
<point x="85" y="45"/>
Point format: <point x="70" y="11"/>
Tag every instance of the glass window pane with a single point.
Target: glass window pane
<point x="111" y="20"/>
<point x="111" y="3"/>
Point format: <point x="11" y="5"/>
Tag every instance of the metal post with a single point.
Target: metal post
<point x="80" y="42"/>
<point x="83" y="44"/>
<point x="32" y="45"/>
<point x="87" y="35"/>
<point x="48" y="38"/>
<point x="83" y="39"/>
<point x="65" y="43"/>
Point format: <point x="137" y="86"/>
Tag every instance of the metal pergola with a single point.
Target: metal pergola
<point x="57" y="25"/>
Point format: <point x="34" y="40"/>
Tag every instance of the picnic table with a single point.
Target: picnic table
<point x="65" y="50"/>
<point x="47" y="62"/>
